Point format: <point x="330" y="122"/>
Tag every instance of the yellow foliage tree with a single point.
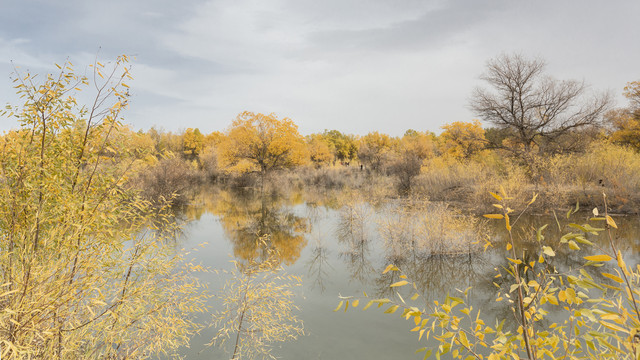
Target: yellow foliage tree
<point x="319" y="150"/>
<point x="258" y="142"/>
<point x="462" y="139"/>
<point x="632" y="92"/>
<point x="626" y="121"/>
<point x="374" y="148"/>
<point x="192" y="143"/>
<point x="410" y="152"/>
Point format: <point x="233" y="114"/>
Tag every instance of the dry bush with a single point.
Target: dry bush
<point x="209" y="163"/>
<point x="339" y="177"/>
<point x="447" y="179"/>
<point x="514" y="180"/>
<point x="604" y="167"/>
<point x="168" y="179"/>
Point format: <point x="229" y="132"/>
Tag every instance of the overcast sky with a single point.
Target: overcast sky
<point x="351" y="65"/>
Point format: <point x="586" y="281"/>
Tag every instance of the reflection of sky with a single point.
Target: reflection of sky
<point x="339" y="335"/>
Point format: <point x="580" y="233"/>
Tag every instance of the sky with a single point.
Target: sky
<point x="352" y="65"/>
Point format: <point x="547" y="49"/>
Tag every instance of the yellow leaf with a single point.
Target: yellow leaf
<point x="462" y="337"/>
<point x="535" y="195"/>
<point x="339" y="306"/>
<point x="494" y="216"/>
<point x="399" y="283"/>
<point x="613" y="277"/>
<point x="390" y="267"/>
<point x="509" y="246"/>
<point x="621" y="264"/>
<point x="598" y="258"/>
<point x="498" y="197"/>
<point x="610" y="222"/>
<point x="355" y="303"/>
<point x="548" y="251"/>
<point x="391" y="309"/>
<point x="614" y="327"/>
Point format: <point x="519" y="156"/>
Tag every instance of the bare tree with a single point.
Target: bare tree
<point x="537" y="108"/>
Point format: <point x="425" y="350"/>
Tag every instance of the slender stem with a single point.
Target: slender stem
<point x="244" y="310"/>
<point x="634" y="302"/>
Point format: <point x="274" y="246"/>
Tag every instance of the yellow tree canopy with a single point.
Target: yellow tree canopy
<point x="418" y="144"/>
<point x="626" y="121"/>
<point x="374" y="148"/>
<point x="319" y="150"/>
<point x="632" y="92"/>
<point x="192" y="142"/>
<point x="258" y="142"/>
<point x="462" y="139"/>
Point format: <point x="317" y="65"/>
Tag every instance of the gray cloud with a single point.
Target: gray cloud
<point x="352" y="65"/>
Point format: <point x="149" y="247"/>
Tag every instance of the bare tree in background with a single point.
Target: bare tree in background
<point x="535" y="107"/>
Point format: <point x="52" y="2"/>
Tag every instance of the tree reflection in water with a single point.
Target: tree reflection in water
<point x="318" y="263"/>
<point x="352" y="233"/>
<point x="438" y="248"/>
<point x="245" y="217"/>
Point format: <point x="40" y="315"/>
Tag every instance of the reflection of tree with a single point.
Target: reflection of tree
<point x="246" y="217"/>
<point x="352" y="233"/>
<point x="438" y="274"/>
<point x="432" y="228"/>
<point x="318" y="263"/>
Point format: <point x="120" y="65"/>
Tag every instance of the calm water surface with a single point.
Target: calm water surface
<point x="339" y="245"/>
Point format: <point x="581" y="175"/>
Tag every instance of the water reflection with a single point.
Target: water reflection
<point x="329" y="241"/>
<point x="246" y="217"/>
<point x="318" y="265"/>
<point x="352" y="233"/>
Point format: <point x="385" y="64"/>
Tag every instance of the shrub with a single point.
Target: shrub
<point x="170" y="179"/>
<point x="86" y="271"/>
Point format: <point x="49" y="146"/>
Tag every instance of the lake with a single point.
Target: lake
<point x="340" y="243"/>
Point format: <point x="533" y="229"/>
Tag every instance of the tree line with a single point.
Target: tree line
<point x="529" y="116"/>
